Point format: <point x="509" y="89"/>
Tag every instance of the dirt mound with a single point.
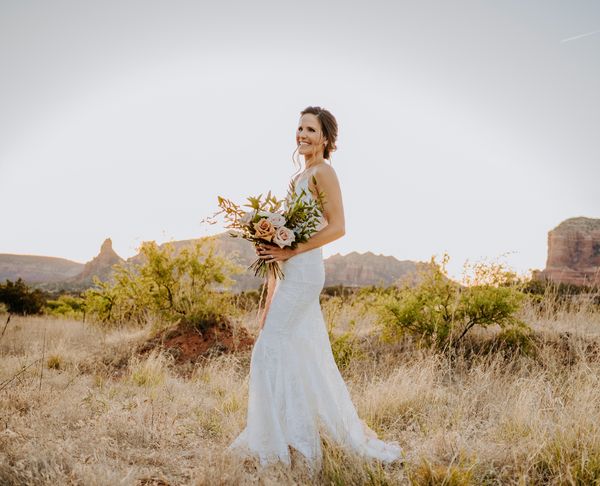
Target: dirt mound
<point x="187" y="344"/>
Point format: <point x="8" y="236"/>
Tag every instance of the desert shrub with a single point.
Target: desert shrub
<point x="544" y="287"/>
<point x="439" y="311"/>
<point x="54" y="361"/>
<point x="430" y="474"/>
<point x="513" y="339"/>
<point x="344" y="467"/>
<point x="553" y="296"/>
<point x="74" y="303"/>
<point x="345" y="347"/>
<point x="574" y="455"/>
<point x="185" y="287"/>
<point x="248" y="300"/>
<point x="150" y="372"/>
<point x="65" y="306"/>
<point x="337" y="291"/>
<point x="20" y="299"/>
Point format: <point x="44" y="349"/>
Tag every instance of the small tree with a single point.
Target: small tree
<point x="439" y="311"/>
<point x="185" y="287"/>
<point x="20" y="299"/>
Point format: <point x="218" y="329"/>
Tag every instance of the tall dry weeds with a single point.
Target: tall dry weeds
<point x="105" y="415"/>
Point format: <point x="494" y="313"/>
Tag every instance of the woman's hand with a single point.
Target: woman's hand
<point x="272" y="253"/>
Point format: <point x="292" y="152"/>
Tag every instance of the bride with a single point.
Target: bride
<point x="296" y="391"/>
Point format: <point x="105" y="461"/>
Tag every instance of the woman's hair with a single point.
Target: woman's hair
<point x="329" y="127"/>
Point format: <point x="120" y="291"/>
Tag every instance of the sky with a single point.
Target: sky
<point x="465" y="127"/>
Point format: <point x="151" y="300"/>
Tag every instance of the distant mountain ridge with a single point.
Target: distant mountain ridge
<point x="352" y="270"/>
<point x="32" y="268"/>
<point x="365" y="269"/>
<point x="573" y="258"/>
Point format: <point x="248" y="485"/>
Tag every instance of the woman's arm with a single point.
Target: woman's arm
<point x="327" y="182"/>
<point x="333" y="210"/>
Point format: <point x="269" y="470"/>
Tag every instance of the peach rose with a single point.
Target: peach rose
<point x="264" y="229"/>
<point x="277" y="219"/>
<point x="284" y="237"/>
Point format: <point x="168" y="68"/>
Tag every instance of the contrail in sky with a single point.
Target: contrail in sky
<point x="572" y="38"/>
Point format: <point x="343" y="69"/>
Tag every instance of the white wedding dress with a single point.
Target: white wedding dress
<point x="296" y="390"/>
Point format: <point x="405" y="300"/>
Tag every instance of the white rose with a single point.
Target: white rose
<point x="265" y="213"/>
<point x="284" y="237"/>
<point x="247" y="218"/>
<point x="277" y="219"/>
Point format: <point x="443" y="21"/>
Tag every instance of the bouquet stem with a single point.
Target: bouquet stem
<point x="263" y="269"/>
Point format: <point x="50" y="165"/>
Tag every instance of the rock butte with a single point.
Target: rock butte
<point x="574" y="252"/>
<point x="100" y="266"/>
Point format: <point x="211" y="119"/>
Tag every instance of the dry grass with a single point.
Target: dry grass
<point x="89" y="411"/>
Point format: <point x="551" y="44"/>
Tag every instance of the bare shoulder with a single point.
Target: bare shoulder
<point x="325" y="174"/>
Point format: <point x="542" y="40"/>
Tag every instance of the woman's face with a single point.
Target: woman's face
<point x="309" y="136"/>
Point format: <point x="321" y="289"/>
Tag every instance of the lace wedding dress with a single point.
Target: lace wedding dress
<point x="296" y="390"/>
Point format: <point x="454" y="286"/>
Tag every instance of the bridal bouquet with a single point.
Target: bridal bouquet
<point x="282" y="222"/>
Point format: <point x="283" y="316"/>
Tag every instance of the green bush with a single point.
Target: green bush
<point x="248" y="300"/>
<point x="515" y="338"/>
<point x="545" y="287"/>
<point x="54" y="362"/>
<point x="439" y="311"/>
<point x="337" y="291"/>
<point x="345" y="348"/>
<point x="65" y="306"/>
<point x="184" y="287"/>
<point x="20" y="299"/>
<point x="556" y="295"/>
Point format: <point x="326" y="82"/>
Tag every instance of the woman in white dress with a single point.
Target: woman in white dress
<point x="296" y="390"/>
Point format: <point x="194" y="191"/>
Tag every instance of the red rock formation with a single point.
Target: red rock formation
<point x="574" y="252"/>
<point x="100" y="266"/>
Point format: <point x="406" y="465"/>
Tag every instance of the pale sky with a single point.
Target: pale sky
<point x="466" y="127"/>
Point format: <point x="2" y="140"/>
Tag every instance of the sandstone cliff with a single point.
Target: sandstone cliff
<point x="574" y="252"/>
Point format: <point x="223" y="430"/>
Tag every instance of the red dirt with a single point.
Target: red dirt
<point x="187" y="344"/>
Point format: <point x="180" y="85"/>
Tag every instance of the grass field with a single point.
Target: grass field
<point x="78" y="406"/>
